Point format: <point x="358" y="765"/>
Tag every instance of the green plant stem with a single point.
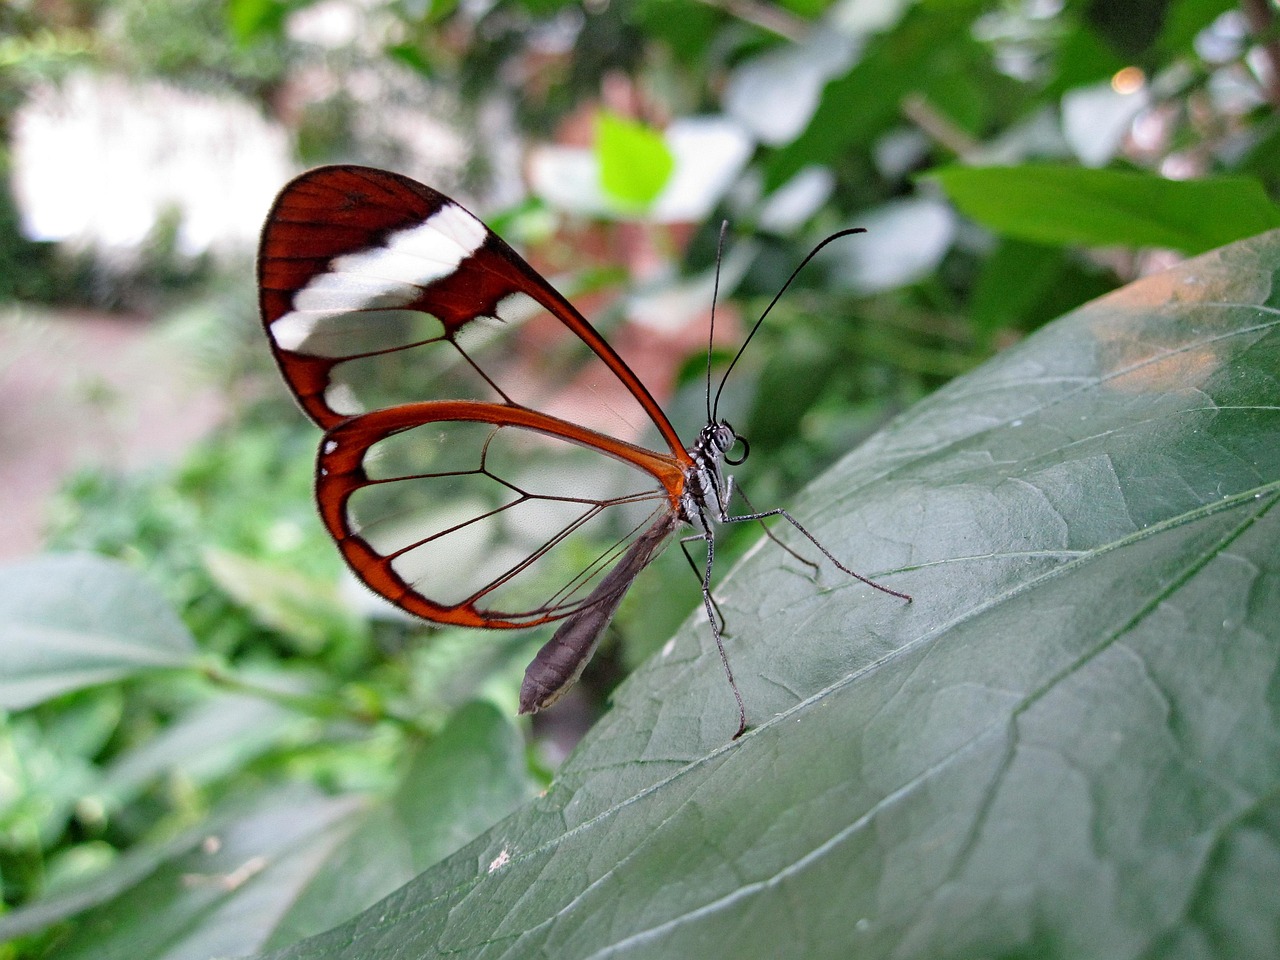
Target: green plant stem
<point x="322" y="707"/>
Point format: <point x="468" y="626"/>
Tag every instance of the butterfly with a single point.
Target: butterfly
<point x="467" y="508"/>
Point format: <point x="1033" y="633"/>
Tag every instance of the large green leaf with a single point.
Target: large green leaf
<point x="1068" y="745"/>
<point x="70" y="621"/>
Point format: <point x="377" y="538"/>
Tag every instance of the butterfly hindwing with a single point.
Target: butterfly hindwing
<point x="485" y="515"/>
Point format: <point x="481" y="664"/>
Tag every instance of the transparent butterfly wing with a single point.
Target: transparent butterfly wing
<point x="485" y="515"/>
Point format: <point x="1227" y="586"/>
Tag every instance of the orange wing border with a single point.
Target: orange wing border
<point x="340" y="473"/>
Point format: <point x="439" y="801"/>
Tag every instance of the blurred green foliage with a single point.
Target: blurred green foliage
<point x="964" y="134"/>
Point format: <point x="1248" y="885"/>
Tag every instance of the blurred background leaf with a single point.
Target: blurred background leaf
<point x="1110" y="207"/>
<point x="72" y="621"/>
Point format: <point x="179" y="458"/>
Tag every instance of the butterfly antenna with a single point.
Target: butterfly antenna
<point x="715" y="295"/>
<point x="715" y="406"/>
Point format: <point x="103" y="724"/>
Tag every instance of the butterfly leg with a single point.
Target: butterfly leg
<point x="765" y="527"/>
<point x="780" y="512"/>
<point x="709" y="536"/>
<point x="693" y="565"/>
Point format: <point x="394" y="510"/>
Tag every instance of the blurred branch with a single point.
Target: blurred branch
<point x="1262" y="23"/>
<point x="936" y="124"/>
<point x="765" y="16"/>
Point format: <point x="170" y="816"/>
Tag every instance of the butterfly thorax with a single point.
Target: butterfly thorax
<point x="705" y="488"/>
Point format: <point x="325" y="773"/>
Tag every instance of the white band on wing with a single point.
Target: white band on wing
<point x="387" y="276"/>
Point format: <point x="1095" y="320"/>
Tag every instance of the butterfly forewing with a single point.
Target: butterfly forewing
<point x="377" y="291"/>
<point x="464" y="474"/>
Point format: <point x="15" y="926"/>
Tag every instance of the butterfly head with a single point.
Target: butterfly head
<point x="720" y="438"/>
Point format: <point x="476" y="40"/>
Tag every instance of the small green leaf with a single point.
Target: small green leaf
<point x="305" y="610"/>
<point x="72" y="621"/>
<point x="252" y="20"/>
<point x="42" y="781"/>
<point x="1061" y="205"/>
<point x="635" y="162"/>
<point x="127" y="870"/>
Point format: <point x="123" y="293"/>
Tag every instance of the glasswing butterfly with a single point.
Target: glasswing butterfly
<point x="377" y="291"/>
